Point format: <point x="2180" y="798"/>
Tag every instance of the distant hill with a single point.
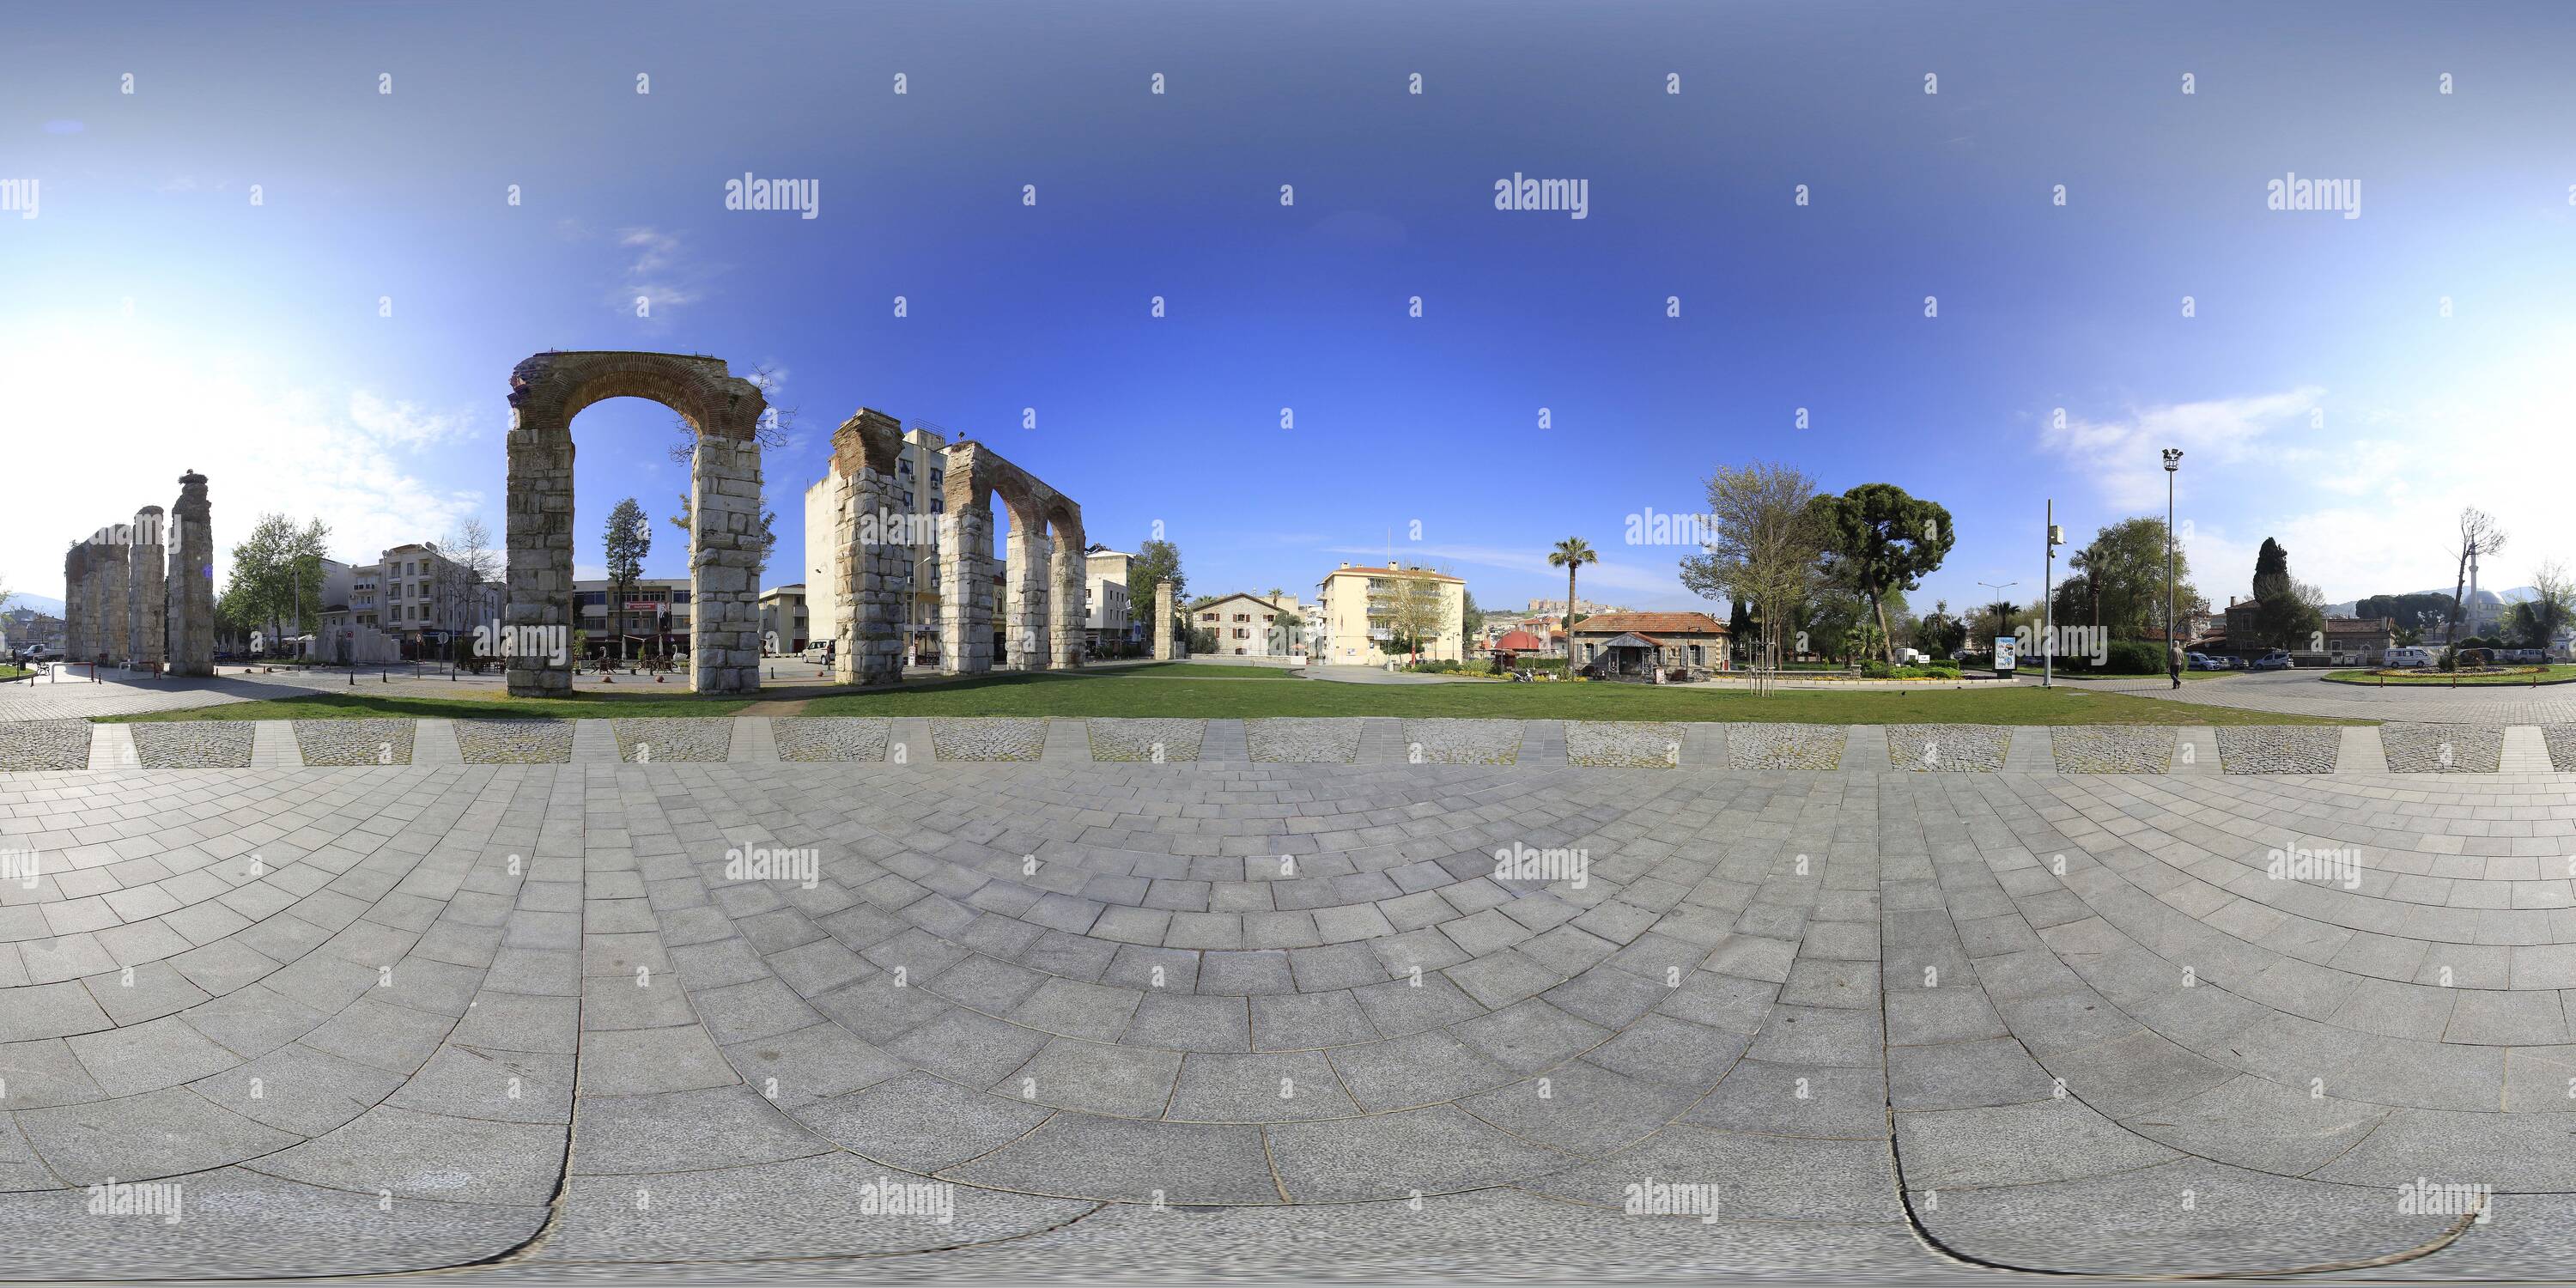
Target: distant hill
<point x="49" y="607"/>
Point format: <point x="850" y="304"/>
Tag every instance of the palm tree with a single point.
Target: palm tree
<point x="1570" y="554"/>
<point x="2003" y="609"/>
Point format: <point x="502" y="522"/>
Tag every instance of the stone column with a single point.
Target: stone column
<point x="115" y="593"/>
<point x="724" y="565"/>
<point x="538" y="616"/>
<point x="966" y="592"/>
<point x="1024" y="636"/>
<point x="147" y="623"/>
<point x="1163" y="620"/>
<point x="75" y="625"/>
<point x="191" y="546"/>
<point x="1065" y="609"/>
<point x="872" y="552"/>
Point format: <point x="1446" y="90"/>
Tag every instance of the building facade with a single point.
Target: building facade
<point x="1252" y="625"/>
<point x="1350" y="627"/>
<point x="784" y="623"/>
<point x="1627" y="642"/>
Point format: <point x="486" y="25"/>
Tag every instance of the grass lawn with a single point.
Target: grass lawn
<point x="1142" y="693"/>
<point x="1226" y="692"/>
<point x="2557" y="673"/>
<point x="480" y="705"/>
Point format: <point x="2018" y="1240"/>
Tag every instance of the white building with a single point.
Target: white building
<point x="1252" y="625"/>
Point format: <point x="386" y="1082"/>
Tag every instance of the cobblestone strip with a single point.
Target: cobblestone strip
<point x="2278" y="749"/>
<point x="2443" y="748"/>
<point x="2561" y="740"/>
<point x="357" y="742"/>
<point x="46" y="744"/>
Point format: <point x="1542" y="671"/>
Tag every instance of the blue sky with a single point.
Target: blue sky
<point x="161" y="320"/>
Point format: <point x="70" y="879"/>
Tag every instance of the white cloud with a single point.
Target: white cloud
<point x="662" y="271"/>
<point x="2123" y="455"/>
<point x="136" y="412"/>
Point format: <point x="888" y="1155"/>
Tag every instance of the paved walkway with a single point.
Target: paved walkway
<point x="1023" y="1018"/>
<point x="2305" y="693"/>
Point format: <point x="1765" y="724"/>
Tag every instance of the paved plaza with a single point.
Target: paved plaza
<point x="1000" y="998"/>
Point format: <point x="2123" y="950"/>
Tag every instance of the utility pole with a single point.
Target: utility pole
<point x="2048" y="597"/>
<point x="2173" y="463"/>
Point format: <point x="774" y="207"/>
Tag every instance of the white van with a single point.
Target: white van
<point x="2408" y="656"/>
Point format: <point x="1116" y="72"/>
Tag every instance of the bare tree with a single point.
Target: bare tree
<point x="770" y="431"/>
<point x="1765" y="539"/>
<point x="1411" y="606"/>
<point x="463" y="574"/>
<point x="2479" y="535"/>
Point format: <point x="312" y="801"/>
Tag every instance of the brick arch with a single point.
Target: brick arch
<point x="546" y="392"/>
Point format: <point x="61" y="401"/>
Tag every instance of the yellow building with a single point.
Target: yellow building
<point x="1352" y="626"/>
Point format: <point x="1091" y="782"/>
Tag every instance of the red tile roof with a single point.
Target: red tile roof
<point x="1519" y="641"/>
<point x="1650" y="624"/>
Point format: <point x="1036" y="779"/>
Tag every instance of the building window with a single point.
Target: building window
<point x="1241" y="634"/>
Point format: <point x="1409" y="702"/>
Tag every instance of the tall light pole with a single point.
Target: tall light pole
<point x="2173" y="463"/>
<point x="2048" y="597"/>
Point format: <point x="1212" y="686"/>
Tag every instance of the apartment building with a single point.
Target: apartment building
<point x="783" y="619"/>
<point x="1350" y="625"/>
<point x="1252" y="625"/>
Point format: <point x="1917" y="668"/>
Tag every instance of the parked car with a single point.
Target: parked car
<point x="2409" y="655"/>
<point x="2200" y="662"/>
<point x="2523" y="656"/>
<point x="2276" y="660"/>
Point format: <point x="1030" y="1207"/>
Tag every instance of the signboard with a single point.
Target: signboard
<point x="642" y="605"/>
<point x="2004" y="653"/>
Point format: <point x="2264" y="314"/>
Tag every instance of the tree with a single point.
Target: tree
<point x="771" y="431"/>
<point x="628" y="539"/>
<point x="277" y="570"/>
<point x="2480" y="534"/>
<point x="2283" y="615"/>
<point x="2124" y="571"/>
<point x="2417" y="612"/>
<point x="2003" y="611"/>
<point x="465" y="566"/>
<point x="1882" y="539"/>
<point x="2534" y="622"/>
<point x="1155" y="561"/>
<point x="1571" y="554"/>
<point x="1764" y="543"/>
<point x="1939" y="633"/>
<point x="1412" y="608"/>
<point x="1471" y="619"/>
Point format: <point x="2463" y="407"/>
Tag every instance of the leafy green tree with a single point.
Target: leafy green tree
<point x="1571" y="554"/>
<point x="1882" y="539"/>
<point x="1154" y="562"/>
<point x="2416" y="613"/>
<point x="628" y="539"/>
<point x="2285" y="615"/>
<point x="2124" y="569"/>
<point x="2552" y="608"/>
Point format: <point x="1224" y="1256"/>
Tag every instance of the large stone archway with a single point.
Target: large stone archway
<point x="546" y="392"/>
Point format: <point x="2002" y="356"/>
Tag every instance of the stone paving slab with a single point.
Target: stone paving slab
<point x="1037" y="995"/>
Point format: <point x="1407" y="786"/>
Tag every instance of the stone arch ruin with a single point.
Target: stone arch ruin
<point x="546" y="392"/>
<point x="875" y="539"/>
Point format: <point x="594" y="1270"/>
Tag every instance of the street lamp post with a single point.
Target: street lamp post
<point x="2048" y="597"/>
<point x="2173" y="463"/>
